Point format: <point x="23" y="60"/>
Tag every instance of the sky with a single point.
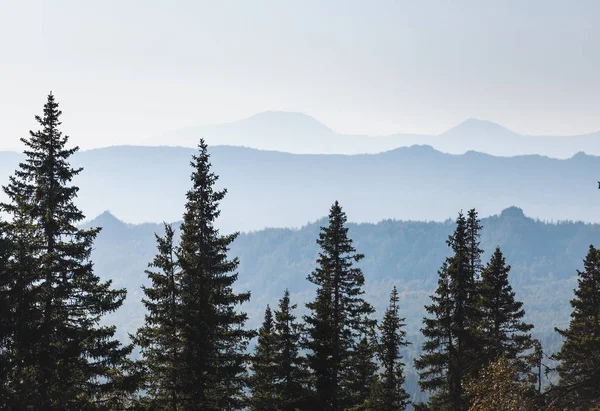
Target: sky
<point x="124" y="71"/>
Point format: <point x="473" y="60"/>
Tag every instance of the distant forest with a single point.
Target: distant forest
<point x="474" y="347"/>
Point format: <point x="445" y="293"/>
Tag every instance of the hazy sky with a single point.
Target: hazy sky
<point x="125" y="70"/>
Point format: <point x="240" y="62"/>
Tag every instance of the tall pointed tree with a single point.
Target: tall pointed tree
<point x="579" y="356"/>
<point x="452" y="334"/>
<point x="391" y="395"/>
<point x="215" y="339"/>
<point x="337" y="315"/>
<point x="64" y="358"/>
<point x="292" y="378"/>
<point x="160" y="338"/>
<point x="505" y="333"/>
<point x="264" y="367"/>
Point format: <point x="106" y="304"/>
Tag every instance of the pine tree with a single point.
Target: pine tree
<point x="264" y="368"/>
<point x="579" y="356"/>
<point x="391" y="395"/>
<point x="505" y="333"/>
<point x="292" y="378"/>
<point x="215" y="341"/>
<point x="452" y="334"/>
<point x="64" y="359"/>
<point x="337" y="315"/>
<point x="160" y="338"/>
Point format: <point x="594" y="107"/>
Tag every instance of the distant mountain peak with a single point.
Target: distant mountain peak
<point x="474" y="127"/>
<point x="104" y="220"/>
<point x="513" y="212"/>
<point x="289" y="120"/>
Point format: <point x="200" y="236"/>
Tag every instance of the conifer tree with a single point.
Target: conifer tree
<point x="215" y="340"/>
<point x="452" y="334"/>
<point x="337" y="315"/>
<point x="292" y="378"/>
<point x="505" y="333"/>
<point x="160" y="338"/>
<point x="64" y="358"/>
<point x="579" y="356"/>
<point x="391" y="395"/>
<point x="264" y="368"/>
<point x="362" y="374"/>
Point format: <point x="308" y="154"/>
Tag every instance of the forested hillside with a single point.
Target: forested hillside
<point x="544" y="258"/>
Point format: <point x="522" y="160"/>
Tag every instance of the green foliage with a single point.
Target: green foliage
<point x="452" y="341"/>
<point x="505" y="334"/>
<point x="160" y="338"/>
<point x="291" y="375"/>
<point x="579" y="356"/>
<point x="338" y="316"/>
<point x="390" y="394"/>
<point x="264" y="366"/>
<point x="60" y="355"/>
<point x="214" y="339"/>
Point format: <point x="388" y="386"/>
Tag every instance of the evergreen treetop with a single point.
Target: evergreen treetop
<point x="63" y="357"/>
<point x="579" y="356"/>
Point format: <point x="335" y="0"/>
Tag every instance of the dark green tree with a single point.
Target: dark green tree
<point x="452" y="334"/>
<point x="215" y="340"/>
<point x="264" y="367"/>
<point x="391" y="395"/>
<point x="292" y="378"/>
<point x="505" y="334"/>
<point x="579" y="356"/>
<point x="336" y="318"/>
<point x="362" y="376"/>
<point x="63" y="357"/>
<point x="160" y="338"/>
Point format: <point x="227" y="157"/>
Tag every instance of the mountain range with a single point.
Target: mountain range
<point x="302" y="134"/>
<point x="274" y="189"/>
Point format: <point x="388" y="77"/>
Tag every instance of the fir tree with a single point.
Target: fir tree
<point x="160" y="338"/>
<point x="391" y="395"/>
<point x="215" y="341"/>
<point x="292" y="378"/>
<point x="264" y="368"/>
<point x="337" y="315"/>
<point x="505" y="333"/>
<point x="64" y="359"/>
<point x="579" y="356"/>
<point x="452" y="334"/>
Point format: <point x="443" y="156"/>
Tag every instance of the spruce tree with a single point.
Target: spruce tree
<point x="215" y="340"/>
<point x="337" y="316"/>
<point x="505" y="333"/>
<point x="291" y="373"/>
<point x="64" y="358"/>
<point x="452" y="334"/>
<point x="579" y="356"/>
<point x="391" y="395"/>
<point x="264" y="368"/>
<point x="160" y="338"/>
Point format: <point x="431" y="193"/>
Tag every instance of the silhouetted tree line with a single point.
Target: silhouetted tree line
<point x="56" y="353"/>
